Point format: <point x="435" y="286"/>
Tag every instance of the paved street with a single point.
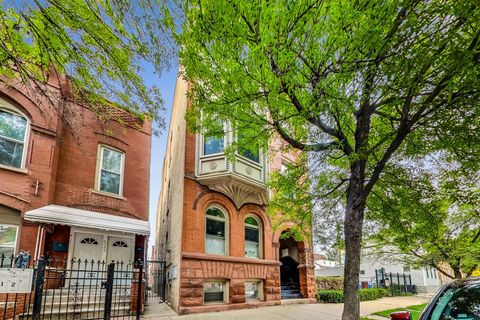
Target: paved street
<point x="286" y="312"/>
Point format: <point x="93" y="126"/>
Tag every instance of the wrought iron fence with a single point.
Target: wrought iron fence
<point x="76" y="289"/>
<point x="155" y="276"/>
<point x="396" y="283"/>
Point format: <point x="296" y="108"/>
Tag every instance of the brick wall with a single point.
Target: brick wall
<point x="61" y="158"/>
<point x="186" y="229"/>
<point x="171" y="199"/>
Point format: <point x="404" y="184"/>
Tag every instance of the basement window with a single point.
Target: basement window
<point x="254" y="290"/>
<point x="214" y="292"/>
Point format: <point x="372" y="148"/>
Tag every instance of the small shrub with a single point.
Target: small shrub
<point x="330" y="283"/>
<point x="373" y="294"/>
<point x="336" y="296"/>
<point x="330" y="296"/>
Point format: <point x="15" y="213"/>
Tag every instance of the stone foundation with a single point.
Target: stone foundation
<point x="197" y="268"/>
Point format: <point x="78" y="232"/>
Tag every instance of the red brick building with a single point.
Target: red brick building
<point x="71" y="185"/>
<point x="219" y="245"/>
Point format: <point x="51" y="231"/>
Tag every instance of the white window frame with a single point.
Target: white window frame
<point x="259" y="283"/>
<point x="5" y="106"/>
<point x="16" y="237"/>
<point x="226" y="226"/>
<point x="98" y="175"/>
<point x="260" y="234"/>
<point x="225" y="291"/>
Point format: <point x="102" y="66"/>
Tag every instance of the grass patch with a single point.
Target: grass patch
<point x="415" y="310"/>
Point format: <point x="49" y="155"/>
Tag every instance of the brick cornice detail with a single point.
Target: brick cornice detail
<point x="203" y="256"/>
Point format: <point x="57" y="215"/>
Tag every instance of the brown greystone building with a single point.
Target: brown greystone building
<point x="71" y="185"/>
<point x="219" y="246"/>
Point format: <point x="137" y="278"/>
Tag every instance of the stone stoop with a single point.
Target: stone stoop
<point x="295" y="301"/>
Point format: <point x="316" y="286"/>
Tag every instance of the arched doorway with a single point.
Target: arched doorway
<point x="289" y="272"/>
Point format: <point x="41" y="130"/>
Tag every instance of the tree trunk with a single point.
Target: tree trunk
<point x="457" y="273"/>
<point x="353" y="224"/>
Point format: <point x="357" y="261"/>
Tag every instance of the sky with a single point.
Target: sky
<point x="166" y="83"/>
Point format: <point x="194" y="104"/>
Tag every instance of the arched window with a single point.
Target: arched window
<point x="89" y="241"/>
<point x="216" y="223"/>
<point x="120" y="244"/>
<point x="253" y="237"/>
<point x="13" y="137"/>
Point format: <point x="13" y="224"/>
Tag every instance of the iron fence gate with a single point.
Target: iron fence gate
<point x="77" y="289"/>
<point x="156" y="279"/>
<point x="396" y="283"/>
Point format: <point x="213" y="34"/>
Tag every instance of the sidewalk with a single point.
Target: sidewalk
<point x="286" y="312"/>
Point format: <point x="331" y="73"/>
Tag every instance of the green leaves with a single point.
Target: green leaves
<point x="101" y="45"/>
<point x="429" y="214"/>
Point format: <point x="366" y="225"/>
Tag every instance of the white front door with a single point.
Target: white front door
<point x="120" y="250"/>
<point x="88" y="247"/>
<point x="87" y="252"/>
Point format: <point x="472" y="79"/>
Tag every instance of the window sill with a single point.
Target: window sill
<point x="112" y="195"/>
<point x="19" y="170"/>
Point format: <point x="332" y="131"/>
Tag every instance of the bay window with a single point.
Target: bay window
<point x="214" y="139"/>
<point x="250" y="153"/>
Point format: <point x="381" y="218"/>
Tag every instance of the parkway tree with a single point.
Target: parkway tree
<point x="356" y="87"/>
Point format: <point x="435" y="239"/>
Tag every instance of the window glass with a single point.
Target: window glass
<point x="13" y="129"/>
<point x="251" y="221"/>
<point x="12" y="125"/>
<point x="213" y="145"/>
<point x="244" y="141"/>
<point x="216" y="228"/>
<point x="252" y="289"/>
<point x="8" y="238"/>
<point x="252" y="234"/>
<point x="458" y="303"/>
<point x="111" y="171"/>
<point x="215" y="231"/>
<point x="252" y="238"/>
<point x="214" y="292"/>
<point x="214" y="139"/>
<point x="215" y="212"/>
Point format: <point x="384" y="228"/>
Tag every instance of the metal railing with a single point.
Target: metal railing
<point x="76" y="289"/>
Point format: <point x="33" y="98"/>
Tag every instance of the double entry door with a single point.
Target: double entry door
<point x="93" y="252"/>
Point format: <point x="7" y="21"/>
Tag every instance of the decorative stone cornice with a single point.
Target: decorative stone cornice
<point x="237" y="189"/>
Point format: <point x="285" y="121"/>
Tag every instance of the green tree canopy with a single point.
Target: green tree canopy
<point x="430" y="214"/>
<point x="351" y="83"/>
<point x="101" y="45"/>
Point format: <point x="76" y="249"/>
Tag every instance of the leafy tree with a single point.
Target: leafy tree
<point x="431" y="216"/>
<point x="100" y="45"/>
<point x="349" y="83"/>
